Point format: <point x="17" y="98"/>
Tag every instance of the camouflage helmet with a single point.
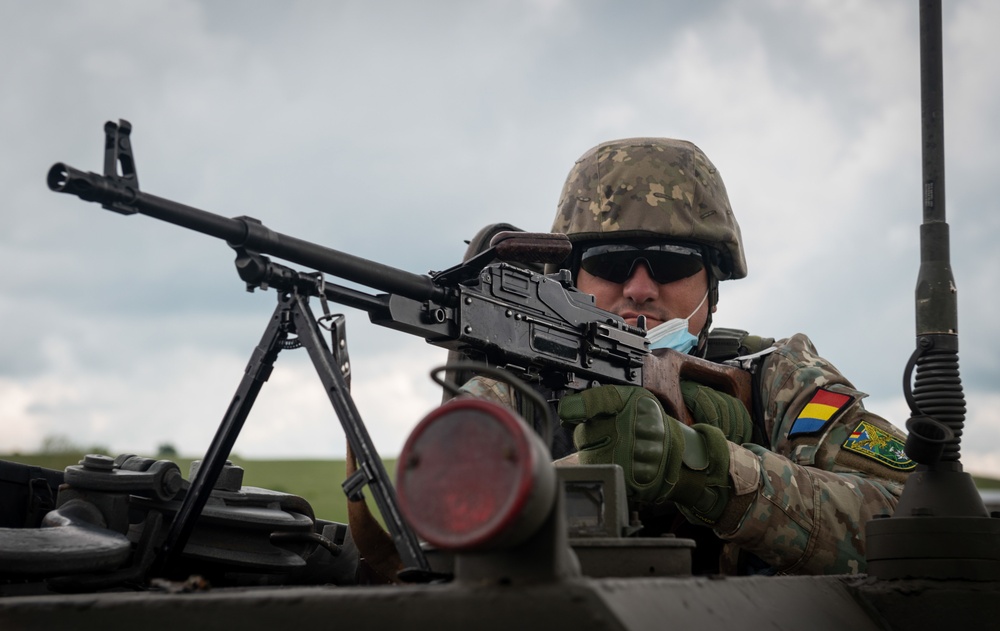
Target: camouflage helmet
<point x="642" y="188"/>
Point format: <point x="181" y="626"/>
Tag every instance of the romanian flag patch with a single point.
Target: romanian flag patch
<point x="817" y="414"/>
<point x="877" y="444"/>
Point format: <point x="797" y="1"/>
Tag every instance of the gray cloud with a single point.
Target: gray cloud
<point x="395" y="133"/>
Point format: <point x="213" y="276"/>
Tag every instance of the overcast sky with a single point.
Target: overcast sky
<point x="394" y="130"/>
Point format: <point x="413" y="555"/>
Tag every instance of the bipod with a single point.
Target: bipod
<point x="293" y="316"/>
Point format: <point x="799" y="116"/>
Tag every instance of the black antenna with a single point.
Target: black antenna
<point x="940" y="528"/>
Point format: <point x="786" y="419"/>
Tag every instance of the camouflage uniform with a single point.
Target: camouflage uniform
<point x="801" y="506"/>
<point x="800" y="503"/>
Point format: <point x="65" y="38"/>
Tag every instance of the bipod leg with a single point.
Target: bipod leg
<point x="257" y="372"/>
<point x="370" y="467"/>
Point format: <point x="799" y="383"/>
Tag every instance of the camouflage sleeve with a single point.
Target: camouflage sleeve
<point x="802" y="506"/>
<point x="491" y="390"/>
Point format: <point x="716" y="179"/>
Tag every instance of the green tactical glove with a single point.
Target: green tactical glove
<point x="663" y="459"/>
<point x="718" y="409"/>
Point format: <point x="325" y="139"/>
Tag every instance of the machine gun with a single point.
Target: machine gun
<point x="491" y="307"/>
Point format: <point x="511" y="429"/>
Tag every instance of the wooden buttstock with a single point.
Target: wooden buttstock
<point x="663" y="370"/>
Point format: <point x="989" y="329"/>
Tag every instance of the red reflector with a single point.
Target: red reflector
<point x="466" y="474"/>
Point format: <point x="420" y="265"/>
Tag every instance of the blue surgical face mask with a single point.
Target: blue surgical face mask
<point x="674" y="333"/>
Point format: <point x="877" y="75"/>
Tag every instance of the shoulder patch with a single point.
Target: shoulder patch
<point x="817" y="414"/>
<point x="877" y="444"/>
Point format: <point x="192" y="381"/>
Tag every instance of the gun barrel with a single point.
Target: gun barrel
<point x="243" y="232"/>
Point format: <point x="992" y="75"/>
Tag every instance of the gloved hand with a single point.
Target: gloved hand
<point x="718" y="409"/>
<point x="663" y="459"/>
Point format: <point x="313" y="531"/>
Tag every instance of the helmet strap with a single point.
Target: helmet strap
<point x="713" y="300"/>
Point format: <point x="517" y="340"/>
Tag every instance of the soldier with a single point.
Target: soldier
<point x="784" y="489"/>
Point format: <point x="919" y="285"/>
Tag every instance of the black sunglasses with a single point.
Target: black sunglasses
<point x="666" y="262"/>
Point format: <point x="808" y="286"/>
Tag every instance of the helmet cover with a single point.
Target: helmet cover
<point x="651" y="188"/>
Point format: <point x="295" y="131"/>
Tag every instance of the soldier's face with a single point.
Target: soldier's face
<point x="641" y="295"/>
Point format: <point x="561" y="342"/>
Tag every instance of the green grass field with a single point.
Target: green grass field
<point x="318" y="481"/>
